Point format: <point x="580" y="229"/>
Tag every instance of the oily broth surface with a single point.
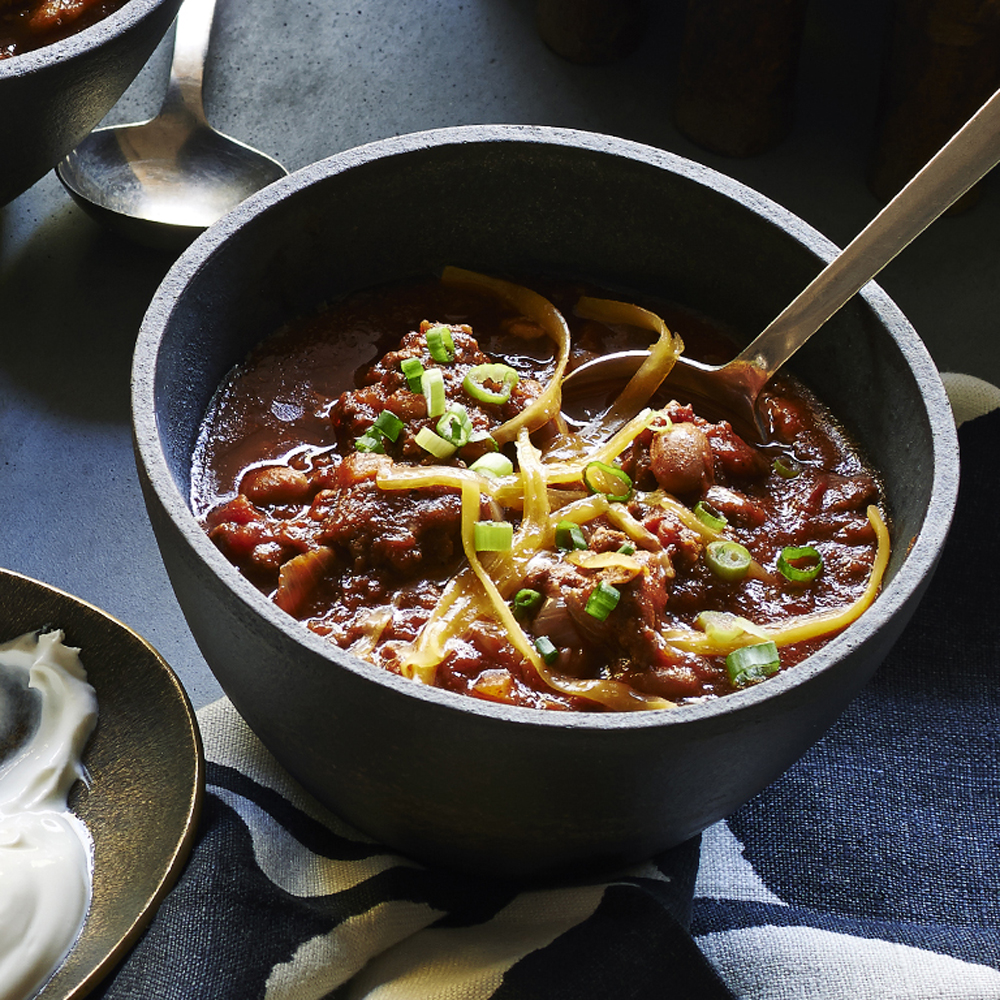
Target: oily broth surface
<point x="279" y="399"/>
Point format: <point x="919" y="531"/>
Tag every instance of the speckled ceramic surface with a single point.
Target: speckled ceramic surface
<point x="145" y="768"/>
<point x="452" y="780"/>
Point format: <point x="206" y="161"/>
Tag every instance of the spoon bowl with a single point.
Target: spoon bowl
<point x="733" y="388"/>
<point x="588" y="388"/>
<point x="164" y="181"/>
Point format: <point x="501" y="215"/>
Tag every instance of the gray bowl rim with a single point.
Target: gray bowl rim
<point x="910" y="577"/>
<point x="80" y="43"/>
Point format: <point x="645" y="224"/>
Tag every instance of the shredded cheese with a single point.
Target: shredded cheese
<point x="652" y="372"/>
<point x="537" y="308"/>
<point x="548" y="492"/>
<point x="798" y="628"/>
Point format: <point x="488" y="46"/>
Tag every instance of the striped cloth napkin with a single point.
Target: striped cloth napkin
<point x="871" y="869"/>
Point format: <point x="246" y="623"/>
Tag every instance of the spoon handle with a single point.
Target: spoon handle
<point x="191" y="37"/>
<point x="962" y="161"/>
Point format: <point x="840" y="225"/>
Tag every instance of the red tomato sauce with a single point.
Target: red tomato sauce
<point x="287" y="489"/>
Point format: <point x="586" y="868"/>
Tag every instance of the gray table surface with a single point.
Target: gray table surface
<point x="307" y="79"/>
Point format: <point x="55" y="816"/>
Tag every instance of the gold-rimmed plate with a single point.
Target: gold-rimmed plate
<point x="145" y="767"/>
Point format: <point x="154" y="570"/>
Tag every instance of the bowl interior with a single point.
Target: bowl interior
<point x="627" y="217"/>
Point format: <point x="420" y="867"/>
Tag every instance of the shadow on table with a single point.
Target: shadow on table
<point x="72" y="300"/>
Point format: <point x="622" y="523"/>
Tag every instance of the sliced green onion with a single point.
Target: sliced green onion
<point x="750" y="664"/>
<point x="709" y="516"/>
<point x="493" y="536"/>
<point x="728" y="560"/>
<point x="476" y="379"/>
<point x="440" y="344"/>
<point x="388" y="425"/>
<point x="493" y="464"/>
<point x="432" y="386"/>
<point x="603" y="600"/>
<point x="412" y="368"/>
<point x="527" y="602"/>
<point x="434" y="443"/>
<point x="569" y="535"/>
<point x="371" y="440"/>
<point x="786" y="466"/>
<point x="599" y="477"/>
<point x="800" y="564"/>
<point x="546" y="649"/>
<point x="627" y="549"/>
<point x="455" y="425"/>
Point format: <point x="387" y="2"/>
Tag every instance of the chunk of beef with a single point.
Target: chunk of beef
<point x="406" y="532"/>
<point x="736" y="507"/>
<point x="834" y="492"/>
<point x="734" y="458"/>
<point x="605" y="539"/>
<point x="631" y="631"/>
<point x="680" y="543"/>
<point x="276" y="484"/>
<point x="254" y="542"/>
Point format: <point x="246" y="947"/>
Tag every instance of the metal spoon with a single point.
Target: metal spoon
<point x="734" y="387"/>
<point x="163" y="181"/>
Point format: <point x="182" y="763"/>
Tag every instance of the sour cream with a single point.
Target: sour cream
<point x="46" y="853"/>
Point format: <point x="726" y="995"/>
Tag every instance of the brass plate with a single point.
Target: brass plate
<point x="146" y="771"/>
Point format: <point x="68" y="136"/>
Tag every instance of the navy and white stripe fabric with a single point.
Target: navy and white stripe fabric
<point x="871" y="869"/>
<point x="283" y="901"/>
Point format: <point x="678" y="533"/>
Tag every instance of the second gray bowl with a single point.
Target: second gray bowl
<point x="51" y="97"/>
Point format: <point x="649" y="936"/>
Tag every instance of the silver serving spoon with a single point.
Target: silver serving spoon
<point x="734" y="387"/>
<point x="163" y="181"/>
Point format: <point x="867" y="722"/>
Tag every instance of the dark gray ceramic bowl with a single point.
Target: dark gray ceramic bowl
<point x="52" y="97"/>
<point x="447" y="779"/>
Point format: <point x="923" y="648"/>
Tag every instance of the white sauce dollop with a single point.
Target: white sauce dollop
<point x="45" y="851"/>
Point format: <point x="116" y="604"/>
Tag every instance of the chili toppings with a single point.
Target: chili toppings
<point x="447" y="523"/>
